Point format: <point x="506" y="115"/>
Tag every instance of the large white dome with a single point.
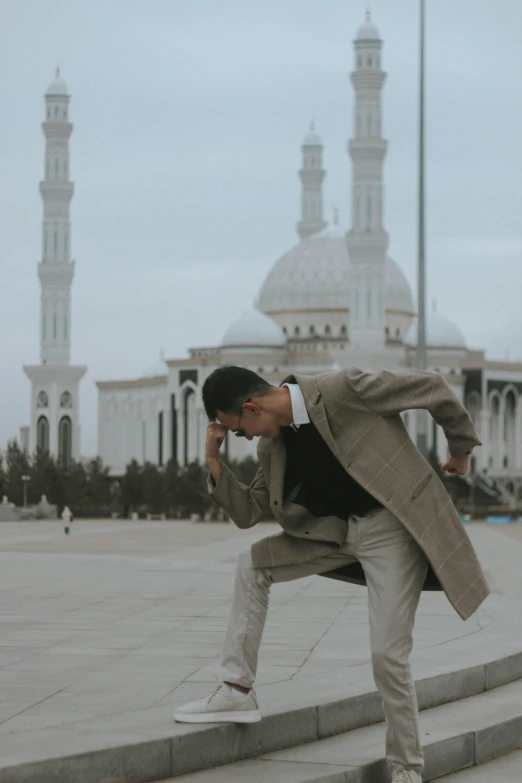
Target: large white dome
<point x="315" y="275"/>
<point x="253" y="329"/>
<point x="311" y="276"/>
<point x="440" y="332"/>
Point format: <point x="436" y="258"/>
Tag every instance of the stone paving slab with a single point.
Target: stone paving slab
<point x="112" y="626"/>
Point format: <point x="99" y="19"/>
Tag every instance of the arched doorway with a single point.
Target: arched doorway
<point x="65" y="441"/>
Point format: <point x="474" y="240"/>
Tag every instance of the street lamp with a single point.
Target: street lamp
<point x="422" y="429"/>
<point x="25" y="479"/>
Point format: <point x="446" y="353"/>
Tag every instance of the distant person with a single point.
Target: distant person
<point x="67" y="519"/>
<point x="355" y="498"/>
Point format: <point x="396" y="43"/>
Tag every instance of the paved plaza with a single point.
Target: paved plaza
<point x="105" y="630"/>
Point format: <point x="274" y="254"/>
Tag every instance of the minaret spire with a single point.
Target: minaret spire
<point x="367" y="240"/>
<point x="312" y="175"/>
<point x="54" y="397"/>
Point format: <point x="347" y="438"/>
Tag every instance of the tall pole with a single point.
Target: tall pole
<point x="422" y="439"/>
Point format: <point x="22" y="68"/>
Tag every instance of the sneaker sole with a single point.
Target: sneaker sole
<point x="250" y="716"/>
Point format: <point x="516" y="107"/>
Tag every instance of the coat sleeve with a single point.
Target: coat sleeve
<point x="246" y="506"/>
<point x="388" y="394"/>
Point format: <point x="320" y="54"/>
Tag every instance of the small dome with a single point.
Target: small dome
<point x="254" y="329"/>
<point x="157" y="370"/>
<point x="367" y="31"/>
<point x="312" y="139"/>
<point x="57" y="86"/>
<point x="440" y="332"/>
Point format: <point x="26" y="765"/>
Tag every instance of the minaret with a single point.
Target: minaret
<point x="367" y="240"/>
<point x="311" y="175"/>
<point x="54" y="405"/>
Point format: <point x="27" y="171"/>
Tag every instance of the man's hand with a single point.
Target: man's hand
<point x="457" y="465"/>
<point x="216" y="434"/>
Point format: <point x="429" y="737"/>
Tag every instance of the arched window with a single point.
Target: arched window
<point x="386" y="331"/>
<point x="55" y="241"/>
<point x="312" y="160"/>
<point x="285" y="330"/>
<point x="297" y="331"/>
<point x="56" y="111"/>
<point x="42" y="434"/>
<point x="56" y="167"/>
<point x="312" y="330"/>
<point x="48" y="112"/>
<point x="398" y="334"/>
<point x="343" y="330"/>
<point x="65" y="441"/>
<point x="327" y="330"/>
<point x="369" y="61"/>
<point x="65" y="114"/>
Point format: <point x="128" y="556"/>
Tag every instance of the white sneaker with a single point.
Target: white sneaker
<point x="402" y="775"/>
<point x="220" y="707"/>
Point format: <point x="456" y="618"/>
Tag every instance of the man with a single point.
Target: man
<point x="356" y="501"/>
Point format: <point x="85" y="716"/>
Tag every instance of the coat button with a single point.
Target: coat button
<point x="307" y="533"/>
<point x="275" y="502"/>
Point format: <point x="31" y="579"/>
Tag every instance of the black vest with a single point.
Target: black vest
<point x="326" y="489"/>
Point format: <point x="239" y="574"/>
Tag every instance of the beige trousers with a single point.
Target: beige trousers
<point x="395" y="569"/>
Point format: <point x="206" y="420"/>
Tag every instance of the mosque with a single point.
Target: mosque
<point x="334" y="300"/>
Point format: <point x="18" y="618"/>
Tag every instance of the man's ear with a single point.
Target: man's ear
<point x="252" y="405"/>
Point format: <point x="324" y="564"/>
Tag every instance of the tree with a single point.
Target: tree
<point x="154" y="495"/>
<point x="47" y="478"/>
<point x="132" y="487"/>
<point x="99" y="486"/>
<point x="16" y="466"/>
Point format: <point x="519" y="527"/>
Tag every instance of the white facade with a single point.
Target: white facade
<point x="334" y="300"/>
<point x="54" y="412"/>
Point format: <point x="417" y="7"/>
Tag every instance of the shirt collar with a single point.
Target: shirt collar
<point x="299" y="412"/>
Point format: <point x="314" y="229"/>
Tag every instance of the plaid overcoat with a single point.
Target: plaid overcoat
<point x="358" y="415"/>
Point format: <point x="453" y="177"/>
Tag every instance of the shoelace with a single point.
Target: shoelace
<point x="216" y="689"/>
<point x="401" y="776"/>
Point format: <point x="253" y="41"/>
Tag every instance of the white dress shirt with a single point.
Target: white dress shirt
<point x="299" y="412"/>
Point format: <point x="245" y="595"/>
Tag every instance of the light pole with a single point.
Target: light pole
<point x="422" y="431"/>
<point x="25" y="479"/>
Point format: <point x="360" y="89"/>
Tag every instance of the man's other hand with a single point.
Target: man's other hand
<point x="457" y="465"/>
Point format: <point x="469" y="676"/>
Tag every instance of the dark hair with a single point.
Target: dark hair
<point x="227" y="388"/>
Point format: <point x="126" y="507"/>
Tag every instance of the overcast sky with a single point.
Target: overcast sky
<point x="188" y="118"/>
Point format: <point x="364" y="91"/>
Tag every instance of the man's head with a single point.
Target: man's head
<point x="245" y="403"/>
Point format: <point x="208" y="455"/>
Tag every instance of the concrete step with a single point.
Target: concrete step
<point x="147" y="746"/>
<point x="454" y="736"/>
<point x="506" y="769"/>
